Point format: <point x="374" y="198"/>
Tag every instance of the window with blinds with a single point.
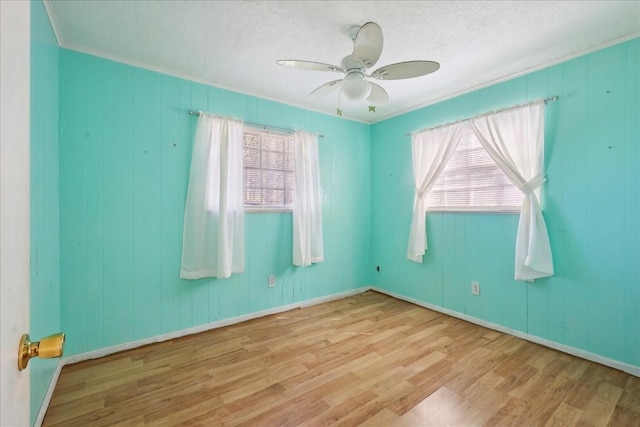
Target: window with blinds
<point x="268" y="170"/>
<point x="472" y="182"/>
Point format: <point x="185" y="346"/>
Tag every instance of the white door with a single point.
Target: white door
<point x="14" y="207"/>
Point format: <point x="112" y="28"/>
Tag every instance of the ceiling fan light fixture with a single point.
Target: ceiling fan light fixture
<point x="355" y="88"/>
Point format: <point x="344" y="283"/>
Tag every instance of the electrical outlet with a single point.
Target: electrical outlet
<point x="475" y="288"/>
<point x="272" y="281"/>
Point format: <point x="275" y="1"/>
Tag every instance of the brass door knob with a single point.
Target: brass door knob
<point x="46" y="348"/>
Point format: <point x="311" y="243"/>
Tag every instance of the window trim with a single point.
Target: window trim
<point x="509" y="210"/>
<point x="264" y="209"/>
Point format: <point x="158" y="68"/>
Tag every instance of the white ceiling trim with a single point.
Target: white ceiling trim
<point x="52" y="20"/>
<point x="518" y="74"/>
<point x="198" y="80"/>
<point x="195" y="79"/>
<point x="233" y="45"/>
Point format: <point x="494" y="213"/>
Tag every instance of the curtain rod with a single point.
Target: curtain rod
<point x="257" y="125"/>
<point x="553" y="98"/>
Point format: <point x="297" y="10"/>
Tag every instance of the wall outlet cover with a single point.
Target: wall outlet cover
<point x="475" y="288"/>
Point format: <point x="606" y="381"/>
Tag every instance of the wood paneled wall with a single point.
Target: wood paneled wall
<point x="125" y="153"/>
<point x="590" y="202"/>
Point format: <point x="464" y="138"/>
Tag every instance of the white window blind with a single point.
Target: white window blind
<point x="472" y="182"/>
<point x="268" y="170"/>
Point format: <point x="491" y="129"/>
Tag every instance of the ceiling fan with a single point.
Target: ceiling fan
<point x="367" y="47"/>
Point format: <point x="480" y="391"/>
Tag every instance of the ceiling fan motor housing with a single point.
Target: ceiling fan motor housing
<point x="348" y="64"/>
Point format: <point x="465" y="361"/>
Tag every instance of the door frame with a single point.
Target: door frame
<point x="15" y="81"/>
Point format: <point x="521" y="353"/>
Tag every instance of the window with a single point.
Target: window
<point x="472" y="182"/>
<point x="268" y="170"/>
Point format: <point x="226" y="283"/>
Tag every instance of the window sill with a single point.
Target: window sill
<point x="470" y="211"/>
<point x="268" y="210"/>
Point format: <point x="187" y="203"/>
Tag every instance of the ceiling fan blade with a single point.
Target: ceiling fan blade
<point x="377" y="95"/>
<point x="405" y="70"/>
<point x="367" y="45"/>
<point x="325" y="89"/>
<point x="309" y="65"/>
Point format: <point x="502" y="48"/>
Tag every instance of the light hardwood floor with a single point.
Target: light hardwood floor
<point x="364" y="360"/>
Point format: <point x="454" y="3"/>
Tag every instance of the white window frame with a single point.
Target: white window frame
<point x="284" y="166"/>
<point x="468" y="166"/>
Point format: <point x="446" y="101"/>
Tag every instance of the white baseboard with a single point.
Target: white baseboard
<point x="181" y="333"/>
<point x="48" y="395"/>
<point x="207" y="326"/>
<point x="630" y="369"/>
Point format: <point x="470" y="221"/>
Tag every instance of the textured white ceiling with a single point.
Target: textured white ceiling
<point x="235" y="44"/>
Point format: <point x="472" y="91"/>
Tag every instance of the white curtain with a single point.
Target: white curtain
<point x="213" y="241"/>
<point x="430" y="152"/>
<point x="515" y="141"/>
<point x="307" y="209"/>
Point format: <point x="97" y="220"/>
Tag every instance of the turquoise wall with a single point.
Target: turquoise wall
<point x="110" y="154"/>
<point x="45" y="244"/>
<point x="590" y="202"/>
<point x="125" y="152"/>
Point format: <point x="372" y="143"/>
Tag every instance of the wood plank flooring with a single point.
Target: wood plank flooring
<point x="364" y="360"/>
